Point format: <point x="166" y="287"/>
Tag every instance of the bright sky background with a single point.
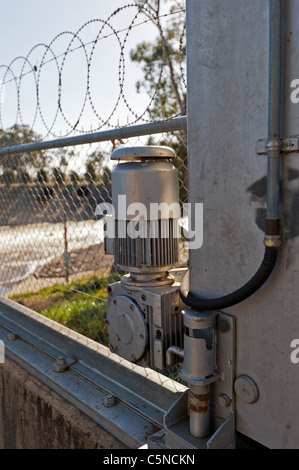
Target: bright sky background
<point x="26" y="23"/>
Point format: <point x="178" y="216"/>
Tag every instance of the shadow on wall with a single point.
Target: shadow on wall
<point x="258" y="192"/>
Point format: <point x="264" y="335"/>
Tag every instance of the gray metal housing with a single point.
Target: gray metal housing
<point x="227" y="49"/>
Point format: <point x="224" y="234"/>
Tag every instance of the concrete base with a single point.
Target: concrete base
<point x="34" y="417"/>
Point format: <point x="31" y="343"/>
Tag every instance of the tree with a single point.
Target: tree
<point x="90" y="174"/>
<point x="24" y="177"/>
<point x="74" y="177"/>
<point x="163" y="61"/>
<point x="163" y="64"/>
<point x="17" y="135"/>
<point x="58" y="176"/>
<point x="9" y="176"/>
<point x="42" y="176"/>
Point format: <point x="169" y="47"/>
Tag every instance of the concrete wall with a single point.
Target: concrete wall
<point x="34" y="417"/>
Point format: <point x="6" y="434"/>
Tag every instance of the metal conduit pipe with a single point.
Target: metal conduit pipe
<point x="272" y="234"/>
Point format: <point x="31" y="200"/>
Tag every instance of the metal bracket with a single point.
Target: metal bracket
<point x="287" y="145"/>
<point x="176" y="434"/>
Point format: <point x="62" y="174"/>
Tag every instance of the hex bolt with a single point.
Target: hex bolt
<point x="60" y="365"/>
<point x="109" y="401"/>
<point x="12" y="337"/>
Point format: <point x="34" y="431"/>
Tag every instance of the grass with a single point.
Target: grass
<point x="81" y="305"/>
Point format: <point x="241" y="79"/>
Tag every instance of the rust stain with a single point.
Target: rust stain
<point x="199" y="403"/>
<point x="151" y="429"/>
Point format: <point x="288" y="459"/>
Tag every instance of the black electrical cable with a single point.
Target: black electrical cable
<point x="199" y="303"/>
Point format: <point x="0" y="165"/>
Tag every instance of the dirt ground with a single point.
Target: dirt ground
<point x="91" y="259"/>
<point x="84" y="262"/>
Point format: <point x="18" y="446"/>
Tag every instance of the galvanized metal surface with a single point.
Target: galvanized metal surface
<point x="144" y="334"/>
<point x="227" y="48"/>
<point x="275" y="109"/>
<point x="147" y="152"/>
<point x="141" y="397"/>
<point x="102" y="136"/>
<point x="150" y="182"/>
<point x="204" y="416"/>
<point x="288" y="145"/>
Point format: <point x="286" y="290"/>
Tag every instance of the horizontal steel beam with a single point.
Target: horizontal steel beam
<point x="175" y="124"/>
<point x="126" y="400"/>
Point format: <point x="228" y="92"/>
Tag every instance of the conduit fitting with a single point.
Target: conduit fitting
<point x="272" y="236"/>
<point x="272" y="241"/>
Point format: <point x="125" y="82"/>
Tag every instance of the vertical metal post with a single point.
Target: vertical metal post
<point x="274" y="109"/>
<point x="199" y="411"/>
<point x="200" y="368"/>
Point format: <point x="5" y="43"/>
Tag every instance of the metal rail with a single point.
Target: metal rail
<point x="87" y="375"/>
<point x="175" y="124"/>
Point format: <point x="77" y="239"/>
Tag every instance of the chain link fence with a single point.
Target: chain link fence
<point x="52" y="247"/>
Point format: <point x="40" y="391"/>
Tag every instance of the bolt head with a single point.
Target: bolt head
<point x="109" y="401"/>
<point x="223" y="400"/>
<point x="12" y="337"/>
<point x="223" y="325"/>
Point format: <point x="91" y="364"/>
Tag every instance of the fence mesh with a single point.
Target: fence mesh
<point x="52" y="251"/>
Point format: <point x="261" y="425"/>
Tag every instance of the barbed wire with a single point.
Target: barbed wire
<point x="121" y="103"/>
<point x="48" y="227"/>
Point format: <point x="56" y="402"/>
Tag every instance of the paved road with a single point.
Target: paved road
<point x="25" y="248"/>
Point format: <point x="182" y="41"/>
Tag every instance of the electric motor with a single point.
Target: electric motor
<point x="144" y="317"/>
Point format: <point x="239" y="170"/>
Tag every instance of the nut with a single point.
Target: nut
<point x="109" y="401"/>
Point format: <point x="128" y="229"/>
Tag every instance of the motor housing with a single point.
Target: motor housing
<point x="144" y="314"/>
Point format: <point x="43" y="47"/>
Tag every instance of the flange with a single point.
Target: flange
<point x="127" y="328"/>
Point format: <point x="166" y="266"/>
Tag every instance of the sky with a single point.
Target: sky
<point x="38" y="32"/>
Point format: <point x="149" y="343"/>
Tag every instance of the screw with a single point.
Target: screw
<point x="132" y="307"/>
<point x="143" y="297"/>
<point x="115" y="302"/>
<point x="133" y="357"/>
<point x="288" y="144"/>
<point x="109" y="401"/>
